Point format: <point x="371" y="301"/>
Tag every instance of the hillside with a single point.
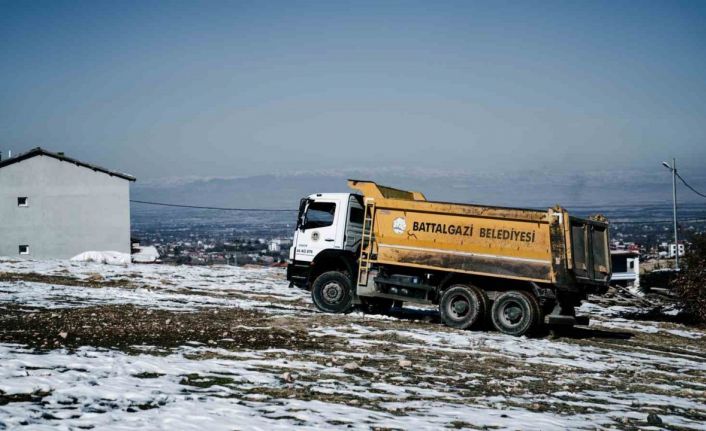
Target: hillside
<point x="536" y="188"/>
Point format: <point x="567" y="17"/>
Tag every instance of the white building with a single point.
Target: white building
<point x="274" y="246"/>
<point x="673" y="250"/>
<point x="626" y="268"/>
<point x="277" y="244"/>
<point x="53" y="206"/>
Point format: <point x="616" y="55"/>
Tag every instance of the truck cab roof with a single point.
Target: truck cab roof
<point x="336" y="196"/>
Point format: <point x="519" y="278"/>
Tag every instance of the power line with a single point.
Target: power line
<point x="620" y="206"/>
<point x="212" y="208"/>
<point x="691" y="188"/>
<point x="658" y="221"/>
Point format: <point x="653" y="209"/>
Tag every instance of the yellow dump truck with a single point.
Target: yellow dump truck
<point x="520" y="269"/>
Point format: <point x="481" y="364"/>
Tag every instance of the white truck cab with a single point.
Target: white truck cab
<point x="328" y="225"/>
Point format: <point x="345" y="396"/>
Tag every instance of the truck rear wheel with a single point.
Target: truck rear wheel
<point x="462" y="306"/>
<point x="331" y="292"/>
<point x="515" y="313"/>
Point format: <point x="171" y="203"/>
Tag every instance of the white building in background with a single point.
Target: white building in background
<point x="53" y="206"/>
<point x="673" y="250"/>
<point x="274" y="246"/>
<point x="277" y="244"/>
<point x="626" y="268"/>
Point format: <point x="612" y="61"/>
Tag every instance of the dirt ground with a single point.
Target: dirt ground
<point x="618" y="373"/>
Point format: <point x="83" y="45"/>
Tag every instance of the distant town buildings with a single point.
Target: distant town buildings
<point x="53" y="206"/>
<point x="239" y="252"/>
<point x="621" y="245"/>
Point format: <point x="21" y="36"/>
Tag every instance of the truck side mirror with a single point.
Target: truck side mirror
<point x="303" y="207"/>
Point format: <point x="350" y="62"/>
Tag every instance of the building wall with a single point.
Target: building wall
<point x="673" y="250"/>
<point x="71" y="209"/>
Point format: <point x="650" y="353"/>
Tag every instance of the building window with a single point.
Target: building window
<point x="22" y="201"/>
<point x="24" y="249"/>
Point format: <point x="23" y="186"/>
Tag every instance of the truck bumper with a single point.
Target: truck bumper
<point x="298" y="273"/>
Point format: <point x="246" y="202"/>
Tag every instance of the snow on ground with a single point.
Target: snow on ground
<point x="403" y="371"/>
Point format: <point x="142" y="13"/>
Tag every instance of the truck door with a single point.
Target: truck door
<point x="318" y="230"/>
<point x="354" y="227"/>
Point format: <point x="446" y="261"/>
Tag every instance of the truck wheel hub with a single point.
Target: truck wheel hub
<point x="460" y="307"/>
<point x="513" y="313"/>
<point x="333" y="292"/>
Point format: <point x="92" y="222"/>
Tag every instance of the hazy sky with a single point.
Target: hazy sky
<point x="168" y="89"/>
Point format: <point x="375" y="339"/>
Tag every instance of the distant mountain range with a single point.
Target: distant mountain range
<point x="528" y="189"/>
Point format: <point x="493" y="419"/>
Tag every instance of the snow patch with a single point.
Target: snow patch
<point x="104" y="257"/>
<point x="146" y="254"/>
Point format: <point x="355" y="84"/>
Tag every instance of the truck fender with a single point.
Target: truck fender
<point x="334" y="260"/>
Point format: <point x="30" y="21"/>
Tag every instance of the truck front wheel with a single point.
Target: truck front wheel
<point x="331" y="292"/>
<point x="462" y="306"/>
<point x="515" y="313"/>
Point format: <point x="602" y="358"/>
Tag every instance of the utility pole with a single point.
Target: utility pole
<point x="673" y="168"/>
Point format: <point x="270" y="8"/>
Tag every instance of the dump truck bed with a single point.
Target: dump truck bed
<point x="513" y="243"/>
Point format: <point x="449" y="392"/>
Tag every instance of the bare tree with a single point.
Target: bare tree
<point x="690" y="285"/>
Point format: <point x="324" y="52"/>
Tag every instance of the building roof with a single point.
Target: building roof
<point x="624" y="253"/>
<point x="60" y="156"/>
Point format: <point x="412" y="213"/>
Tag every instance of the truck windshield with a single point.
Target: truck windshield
<point x="319" y="214"/>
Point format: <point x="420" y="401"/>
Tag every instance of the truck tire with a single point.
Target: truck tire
<point x="462" y="306"/>
<point x="331" y="292"/>
<point x="515" y="313"/>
